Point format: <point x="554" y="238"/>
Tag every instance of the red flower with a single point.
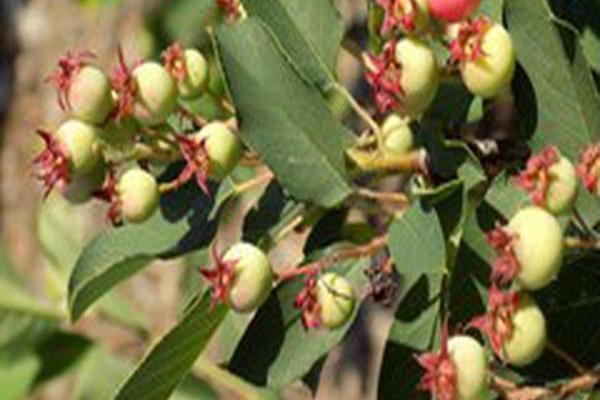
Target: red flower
<point x="589" y="168"/>
<point x="398" y="14"/>
<point x="194" y="153"/>
<point x="384" y="74"/>
<point x="506" y="266"/>
<point x="174" y="59"/>
<point x="497" y="323"/>
<point x="308" y="303"/>
<point x="125" y="87"/>
<point x="68" y="67"/>
<point x="440" y="373"/>
<point x="536" y="177"/>
<point x="52" y="163"/>
<point x="108" y="193"/>
<point x="220" y="277"/>
<point x="468" y="43"/>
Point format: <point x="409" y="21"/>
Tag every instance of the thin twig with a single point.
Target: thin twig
<point x="358" y="109"/>
<point x="579" y="243"/>
<point x="386" y="197"/>
<point x="581" y="221"/>
<point x="262" y="178"/>
<point x="330" y="260"/>
<point x="563" y="355"/>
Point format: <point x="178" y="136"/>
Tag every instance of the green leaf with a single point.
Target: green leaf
<point x="276" y="349"/>
<point x="98" y="374"/>
<point x="113" y="256"/>
<point x="59" y="353"/>
<point x="62" y="234"/>
<point x="17" y="375"/>
<point x="310" y="31"/>
<point x="417" y="316"/>
<point x="567" y="102"/>
<point x="282" y="117"/>
<point x="171" y="358"/>
<point x="408" y="232"/>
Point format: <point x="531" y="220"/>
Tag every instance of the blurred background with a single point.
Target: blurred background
<point x="42" y="356"/>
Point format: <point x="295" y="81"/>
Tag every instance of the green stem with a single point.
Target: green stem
<point x="358" y="109"/>
<point x="226" y="381"/>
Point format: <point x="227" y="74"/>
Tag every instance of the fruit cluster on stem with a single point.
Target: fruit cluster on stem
<point x="116" y="129"/>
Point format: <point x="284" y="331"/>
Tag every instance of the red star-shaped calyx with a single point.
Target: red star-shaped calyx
<point x="174" y="60"/>
<point x="124" y="86"/>
<point x="68" y="67"/>
<point x="398" y="14"/>
<point x="467" y="46"/>
<point x="440" y="372"/>
<point x="497" y="323"/>
<point x="231" y="9"/>
<point x="52" y="163"/>
<point x="536" y="177"/>
<point x="505" y="266"/>
<point x="193" y="150"/>
<point x="308" y="303"/>
<point x="588" y="168"/>
<point x="108" y="193"/>
<point x="221" y="276"/>
<point x="384" y="75"/>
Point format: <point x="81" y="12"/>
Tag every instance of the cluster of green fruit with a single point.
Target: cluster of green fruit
<point x="129" y="110"/>
<point x="119" y="123"/>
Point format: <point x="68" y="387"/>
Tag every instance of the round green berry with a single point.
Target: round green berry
<point x="223" y="147"/>
<point x="80" y="141"/>
<point x="253" y="277"/>
<point x="196" y="74"/>
<point x="528" y="338"/>
<point x="156" y="93"/>
<point x="562" y="190"/>
<point x="82" y="186"/>
<point x="90" y="95"/>
<point x="490" y="74"/>
<point x="538" y="246"/>
<point x="138" y="195"/>
<point x="469" y="360"/>
<point x="420" y="76"/>
<point x="398" y="136"/>
<point x="336" y="298"/>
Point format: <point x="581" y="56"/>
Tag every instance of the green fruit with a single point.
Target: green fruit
<point x="156" y="93"/>
<point x="253" y="277"/>
<point x="528" y="338"/>
<point x="562" y="190"/>
<point x="469" y="360"/>
<point x="196" y="74"/>
<point x="398" y="136"/>
<point x="336" y="297"/>
<point x="80" y="141"/>
<point x="82" y="186"/>
<point x="138" y="195"/>
<point x="491" y="73"/>
<point x="223" y="147"/>
<point x="538" y="246"/>
<point x="90" y="96"/>
<point x="420" y="77"/>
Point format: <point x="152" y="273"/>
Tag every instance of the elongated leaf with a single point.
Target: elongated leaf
<point x="567" y="102"/>
<point x="409" y="233"/>
<point x="171" y="358"/>
<point x="17" y="375"/>
<point x="113" y="256"/>
<point x="276" y="349"/>
<point x="417" y="317"/>
<point x="282" y="117"/>
<point x="309" y="30"/>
